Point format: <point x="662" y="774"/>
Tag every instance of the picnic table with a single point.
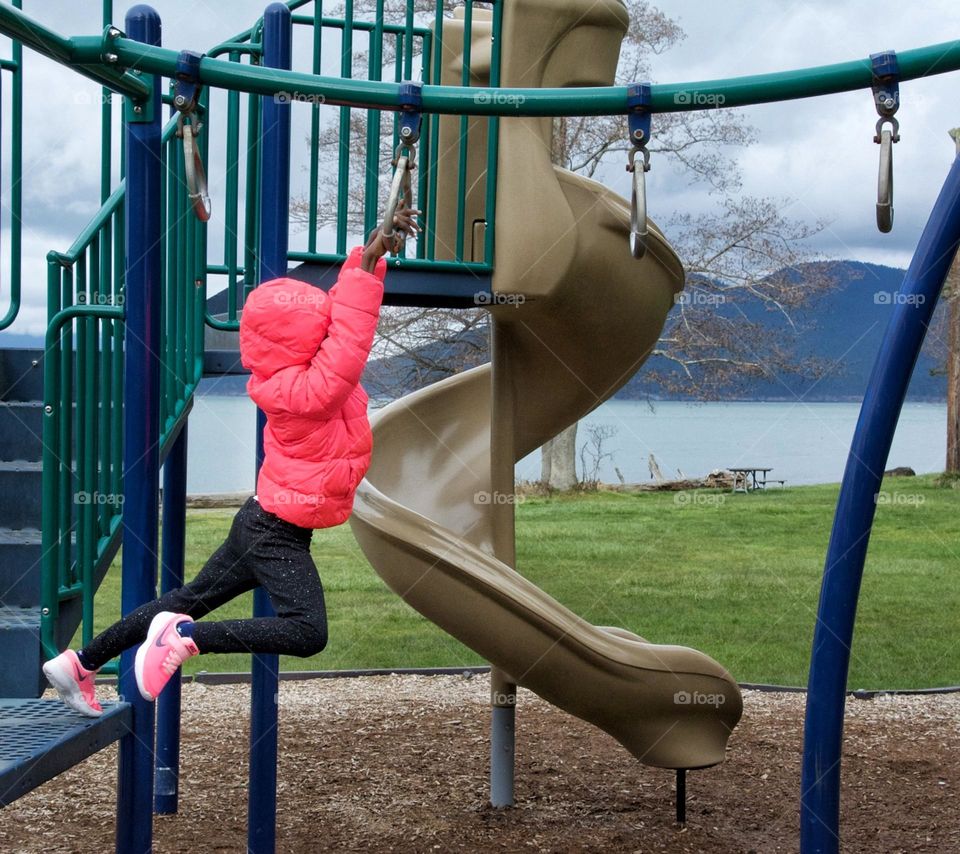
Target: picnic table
<point x="746" y="478"/>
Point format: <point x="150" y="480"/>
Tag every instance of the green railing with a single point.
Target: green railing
<point x="83" y="377"/>
<point x="415" y="43"/>
<point x="14" y="65"/>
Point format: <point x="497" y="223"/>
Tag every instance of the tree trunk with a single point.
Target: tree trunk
<point x="546" y="461"/>
<point x="558" y="460"/>
<point x="953" y="386"/>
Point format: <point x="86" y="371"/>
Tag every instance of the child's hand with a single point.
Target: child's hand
<point x="405" y="225"/>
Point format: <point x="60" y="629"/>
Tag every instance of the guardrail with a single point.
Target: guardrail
<point x="83" y="378"/>
<point x="14" y="65"/>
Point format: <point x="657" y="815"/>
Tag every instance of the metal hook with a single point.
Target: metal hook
<point x="886" y="97"/>
<point x="401" y="188"/>
<point x="886" y="137"/>
<point x="638" y="204"/>
<point x="193" y="167"/>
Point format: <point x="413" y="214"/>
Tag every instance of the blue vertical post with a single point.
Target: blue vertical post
<point x="274" y="216"/>
<point x="141" y="431"/>
<point x="172" y="552"/>
<point x="847" y="551"/>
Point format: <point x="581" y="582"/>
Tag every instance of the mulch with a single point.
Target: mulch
<point x="399" y="763"/>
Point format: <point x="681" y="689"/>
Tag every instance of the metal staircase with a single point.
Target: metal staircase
<point x="21" y="452"/>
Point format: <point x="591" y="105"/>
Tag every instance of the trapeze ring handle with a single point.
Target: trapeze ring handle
<point x="196" y="176"/>
<point x="638" y="206"/>
<point x="396" y="191"/>
<point x="400" y="188"/>
<point x="885" y="182"/>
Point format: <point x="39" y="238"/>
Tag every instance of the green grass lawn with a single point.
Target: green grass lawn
<point x="737" y="576"/>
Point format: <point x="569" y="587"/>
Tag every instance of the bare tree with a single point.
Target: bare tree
<point x="747" y="250"/>
<point x="594" y="452"/>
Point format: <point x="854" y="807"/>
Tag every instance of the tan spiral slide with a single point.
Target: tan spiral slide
<point x="574" y="316"/>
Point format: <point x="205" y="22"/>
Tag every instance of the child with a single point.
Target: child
<point x="306" y="351"/>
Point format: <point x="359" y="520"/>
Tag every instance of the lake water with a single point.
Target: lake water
<point x="802" y="442"/>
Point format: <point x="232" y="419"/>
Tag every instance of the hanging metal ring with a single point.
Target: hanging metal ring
<point x="400" y="188"/>
<point x="638" y="204"/>
<point x="886" y="137"/>
<point x="193" y="168"/>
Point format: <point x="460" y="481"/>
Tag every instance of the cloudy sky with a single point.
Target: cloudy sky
<point x="815" y="154"/>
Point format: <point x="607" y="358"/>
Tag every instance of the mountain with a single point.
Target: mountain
<point x="841" y="329"/>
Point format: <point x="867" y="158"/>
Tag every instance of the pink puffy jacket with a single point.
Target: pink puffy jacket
<point x="306" y="350"/>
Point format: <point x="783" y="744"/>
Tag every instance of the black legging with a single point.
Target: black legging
<point x="261" y="550"/>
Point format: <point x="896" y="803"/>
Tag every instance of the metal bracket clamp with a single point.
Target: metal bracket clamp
<point x="886" y="97"/>
<point x="186" y="77"/>
<point x="411" y="103"/>
<point x="186" y="96"/>
<point x="639" y="124"/>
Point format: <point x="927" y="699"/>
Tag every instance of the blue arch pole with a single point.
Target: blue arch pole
<point x="141" y="430"/>
<point x="172" y="552"/>
<point x="274" y="224"/>
<point x="847" y="551"/>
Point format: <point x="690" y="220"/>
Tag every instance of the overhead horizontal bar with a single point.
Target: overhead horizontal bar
<point x="86" y="55"/>
<point x="582" y="101"/>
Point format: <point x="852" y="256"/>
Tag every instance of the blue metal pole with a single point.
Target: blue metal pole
<point x="141" y="431"/>
<point x="172" y="551"/>
<point x="274" y="213"/>
<point x="833" y="635"/>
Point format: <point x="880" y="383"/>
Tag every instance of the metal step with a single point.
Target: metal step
<point x="21" y="430"/>
<point x="21" y="374"/>
<point x="20" y="567"/>
<point x="21" y="498"/>
<point x="20" y="660"/>
<point x="42" y="738"/>
<point x="404" y="286"/>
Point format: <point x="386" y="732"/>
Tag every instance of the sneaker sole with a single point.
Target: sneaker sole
<point x="68" y="691"/>
<point x="157" y="625"/>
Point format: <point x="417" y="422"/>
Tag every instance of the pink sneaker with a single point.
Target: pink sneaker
<point x="74" y="683"/>
<point x="162" y="653"/>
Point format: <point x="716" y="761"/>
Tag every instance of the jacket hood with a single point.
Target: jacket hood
<point x="282" y="324"/>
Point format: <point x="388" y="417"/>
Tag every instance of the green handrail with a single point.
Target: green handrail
<point x="488" y="101"/>
<point x="15" y="66"/>
<point x="83" y="374"/>
<point x="17" y="25"/>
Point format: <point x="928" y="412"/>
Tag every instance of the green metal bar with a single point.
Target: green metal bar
<point x="232" y="193"/>
<point x="493" y="139"/>
<point x="106" y="120"/>
<point x="426" y="141"/>
<point x="107" y="210"/>
<point x="581" y="101"/>
<point x="343" y="173"/>
<point x="434" y="120"/>
<point x="54" y="536"/>
<point x="66" y="422"/>
<point x="252" y="213"/>
<point x="312" y="208"/>
<point x="464" y="131"/>
<point x="408" y="37"/>
<point x="375" y="72"/>
<point x="16" y="180"/>
<point x="17" y="25"/>
<point x="86" y="441"/>
<point x="104" y="297"/>
<point x="362" y="26"/>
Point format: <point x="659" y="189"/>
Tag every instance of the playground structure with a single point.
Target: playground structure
<point x="125" y="348"/>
